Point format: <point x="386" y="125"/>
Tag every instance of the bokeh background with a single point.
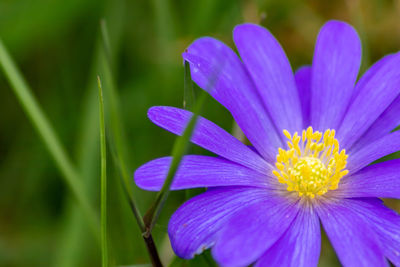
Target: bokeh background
<point x="58" y="47"/>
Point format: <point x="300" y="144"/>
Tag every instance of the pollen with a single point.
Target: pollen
<point x="312" y="164"/>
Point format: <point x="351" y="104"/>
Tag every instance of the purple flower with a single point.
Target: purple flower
<point x="314" y="135"/>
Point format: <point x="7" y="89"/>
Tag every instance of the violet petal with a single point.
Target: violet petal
<point x="377" y="149"/>
<point x="378" y="180"/>
<point x="300" y="246"/>
<point x="270" y="69"/>
<point x="249" y="233"/>
<point x="209" y="136"/>
<point x="335" y="67"/>
<point x="386" y="122"/>
<point x="384" y="221"/>
<point x="193" y="227"/>
<point x="199" y="171"/>
<point x="303" y="83"/>
<point x="372" y="99"/>
<point x="235" y="90"/>
<point x="355" y="242"/>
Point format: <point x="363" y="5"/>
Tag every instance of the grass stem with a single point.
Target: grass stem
<point x="103" y="199"/>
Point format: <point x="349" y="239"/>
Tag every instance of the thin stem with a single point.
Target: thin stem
<point x="48" y="135"/>
<point x="148" y="239"/>
<point x="103" y="220"/>
<point x="118" y="138"/>
<point x="151" y="247"/>
<point x="118" y="143"/>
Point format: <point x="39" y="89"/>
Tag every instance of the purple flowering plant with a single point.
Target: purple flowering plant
<point x="314" y="135"/>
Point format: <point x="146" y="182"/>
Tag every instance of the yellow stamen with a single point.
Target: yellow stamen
<point x="313" y="164"/>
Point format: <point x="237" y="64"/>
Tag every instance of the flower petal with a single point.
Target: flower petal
<point x="270" y="69"/>
<point x="299" y="246"/>
<point x="234" y="89"/>
<point x="383" y="146"/>
<point x="355" y="243"/>
<point x="373" y="96"/>
<point x="193" y="227"/>
<point x="378" y="180"/>
<point x="370" y="73"/>
<point x="209" y="136"/>
<point x="250" y="232"/>
<point x="303" y="82"/>
<point x="386" y="122"/>
<point x="335" y="67"/>
<point x="385" y="222"/>
<point x="198" y="171"/>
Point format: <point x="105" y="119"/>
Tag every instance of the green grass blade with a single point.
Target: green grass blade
<point x="105" y="38"/>
<point x="103" y="198"/>
<point x="180" y="146"/>
<point x="47" y="133"/>
<point x="189" y="98"/>
<point x="179" y="149"/>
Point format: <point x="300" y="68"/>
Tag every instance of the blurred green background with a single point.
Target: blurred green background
<point x="58" y="47"/>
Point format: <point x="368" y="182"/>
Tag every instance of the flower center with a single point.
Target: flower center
<point x="313" y="164"/>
